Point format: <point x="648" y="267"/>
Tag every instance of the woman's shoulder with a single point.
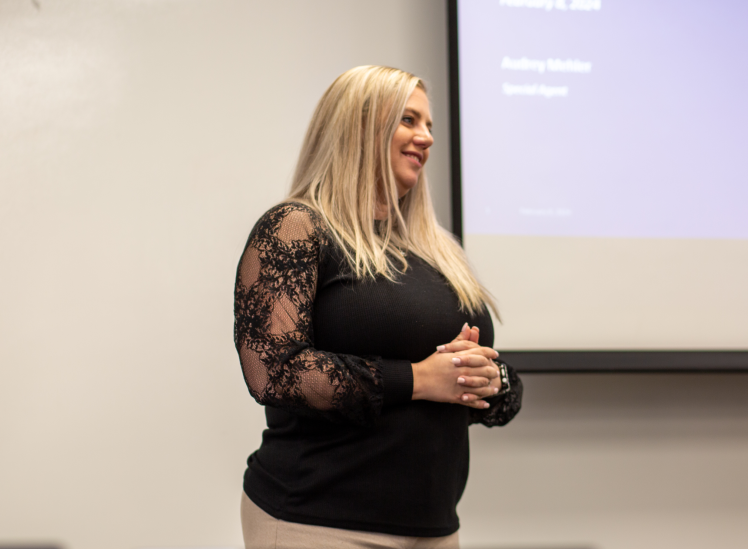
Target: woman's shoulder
<point x="289" y="221"/>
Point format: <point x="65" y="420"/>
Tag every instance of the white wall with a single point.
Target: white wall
<point x="139" y="141"/>
<point x="614" y="461"/>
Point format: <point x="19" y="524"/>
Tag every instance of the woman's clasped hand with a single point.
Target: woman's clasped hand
<point x="460" y="372"/>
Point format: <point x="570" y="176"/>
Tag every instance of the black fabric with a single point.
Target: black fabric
<point x="330" y="358"/>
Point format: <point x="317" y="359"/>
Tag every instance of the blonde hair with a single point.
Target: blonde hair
<point x="344" y="171"/>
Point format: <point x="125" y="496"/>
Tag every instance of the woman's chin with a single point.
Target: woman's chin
<point x="403" y="187"/>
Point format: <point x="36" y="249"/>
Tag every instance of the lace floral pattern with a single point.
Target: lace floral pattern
<point x="275" y="288"/>
<point x="273" y="302"/>
<point x="503" y="407"/>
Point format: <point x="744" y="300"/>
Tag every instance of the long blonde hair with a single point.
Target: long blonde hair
<point x="344" y="172"/>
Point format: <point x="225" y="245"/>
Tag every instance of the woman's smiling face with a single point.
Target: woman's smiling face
<point x="410" y="144"/>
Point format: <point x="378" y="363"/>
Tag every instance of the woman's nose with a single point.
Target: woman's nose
<point x="423" y="139"/>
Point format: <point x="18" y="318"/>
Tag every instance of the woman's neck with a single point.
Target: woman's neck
<point x="380" y="212"/>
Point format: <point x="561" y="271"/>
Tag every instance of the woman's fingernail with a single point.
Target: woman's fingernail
<point x="460" y="380"/>
<point x="464" y="327"/>
<point x="464" y="397"/>
<point x="497" y="354"/>
<point x="495" y="390"/>
<point x="486" y="405"/>
<point x="456" y="360"/>
<point x="440" y="348"/>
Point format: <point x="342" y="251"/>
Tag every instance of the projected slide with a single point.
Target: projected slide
<point x="604" y="118"/>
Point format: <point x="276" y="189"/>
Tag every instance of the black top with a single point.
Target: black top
<point x="330" y="358"/>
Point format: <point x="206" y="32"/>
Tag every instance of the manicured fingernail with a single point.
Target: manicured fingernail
<point x="465" y="327"/>
<point x="495" y="390"/>
<point x="497" y="354"/>
<point x="486" y="405"/>
<point x="456" y="361"/>
<point x="460" y="380"/>
<point x="440" y="348"/>
<point x="464" y="397"/>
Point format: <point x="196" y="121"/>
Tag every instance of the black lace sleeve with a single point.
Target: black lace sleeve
<point x="503" y="407"/>
<point x="275" y="288"/>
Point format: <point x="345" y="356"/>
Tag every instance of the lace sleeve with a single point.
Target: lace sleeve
<point x="503" y="407"/>
<point x="275" y="288"/>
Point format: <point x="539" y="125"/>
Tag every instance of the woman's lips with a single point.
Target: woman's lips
<point x="415" y="157"/>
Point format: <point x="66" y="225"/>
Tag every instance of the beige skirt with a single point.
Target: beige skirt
<point x="261" y="531"/>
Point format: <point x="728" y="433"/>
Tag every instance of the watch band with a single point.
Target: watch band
<point x="504" y="375"/>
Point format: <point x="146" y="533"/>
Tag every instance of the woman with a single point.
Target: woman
<point x="348" y="297"/>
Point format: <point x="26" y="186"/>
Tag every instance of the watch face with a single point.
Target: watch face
<point x="504" y="375"/>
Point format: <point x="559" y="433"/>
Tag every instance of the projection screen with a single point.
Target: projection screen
<point x="600" y="178"/>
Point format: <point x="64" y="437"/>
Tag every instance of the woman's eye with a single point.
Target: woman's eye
<point x="408" y="119"/>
